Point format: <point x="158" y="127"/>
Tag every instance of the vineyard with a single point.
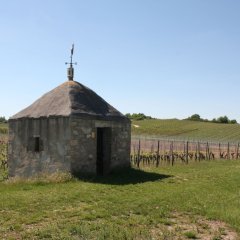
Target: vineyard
<point x="187" y="130"/>
<point x="157" y="142"/>
<point x="3" y="158"/>
<point x="3" y="129"/>
<point x="147" y="151"/>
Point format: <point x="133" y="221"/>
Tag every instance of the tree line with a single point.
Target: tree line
<point x="3" y="119"/>
<point x="194" y="117"/>
<point x="222" y="119"/>
<point x="137" y="116"/>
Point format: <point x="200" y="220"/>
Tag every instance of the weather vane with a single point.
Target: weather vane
<point x="70" y="70"/>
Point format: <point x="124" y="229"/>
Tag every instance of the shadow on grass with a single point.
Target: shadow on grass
<point x="123" y="177"/>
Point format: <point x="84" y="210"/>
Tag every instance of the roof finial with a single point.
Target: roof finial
<point x="70" y="70"/>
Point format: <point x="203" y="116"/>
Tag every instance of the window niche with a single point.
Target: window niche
<point x="35" y="144"/>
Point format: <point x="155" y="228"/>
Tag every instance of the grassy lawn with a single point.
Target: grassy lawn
<point x="127" y="205"/>
<point x="184" y="129"/>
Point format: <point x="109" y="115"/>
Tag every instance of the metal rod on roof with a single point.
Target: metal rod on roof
<point x="70" y="70"/>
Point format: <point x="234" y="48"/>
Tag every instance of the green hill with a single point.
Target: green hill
<point x="185" y="129"/>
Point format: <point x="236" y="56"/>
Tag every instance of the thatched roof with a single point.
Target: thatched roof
<point x="70" y="99"/>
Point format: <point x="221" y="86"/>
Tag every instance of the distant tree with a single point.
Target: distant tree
<point x="223" y="119"/>
<point x="137" y="116"/>
<point x="3" y="119"/>
<point x="214" y="120"/>
<point x="233" y="121"/>
<point x="195" y="117"/>
<point x="128" y="115"/>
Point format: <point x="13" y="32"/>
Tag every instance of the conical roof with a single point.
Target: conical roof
<point x="70" y="99"/>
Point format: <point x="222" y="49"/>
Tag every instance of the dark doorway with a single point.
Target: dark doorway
<point x="103" y="150"/>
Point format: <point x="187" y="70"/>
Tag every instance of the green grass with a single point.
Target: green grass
<point x="3" y="148"/>
<point x="126" y="205"/>
<point x="185" y="129"/>
<point x="191" y="235"/>
<point x="3" y="128"/>
<point x="3" y="157"/>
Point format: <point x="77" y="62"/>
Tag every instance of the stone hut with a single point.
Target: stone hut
<point x="69" y="129"/>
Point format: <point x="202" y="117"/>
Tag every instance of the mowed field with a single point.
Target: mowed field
<point x="200" y="200"/>
<point x="185" y="129"/>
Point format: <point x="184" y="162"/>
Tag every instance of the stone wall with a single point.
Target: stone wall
<point x="84" y="144"/>
<point x="54" y="152"/>
<point x="66" y="144"/>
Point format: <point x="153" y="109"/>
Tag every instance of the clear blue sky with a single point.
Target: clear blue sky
<point x="167" y="59"/>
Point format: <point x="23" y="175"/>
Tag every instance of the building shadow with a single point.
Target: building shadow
<point x="123" y="177"/>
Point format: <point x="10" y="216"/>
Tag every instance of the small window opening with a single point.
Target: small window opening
<point x="37" y="144"/>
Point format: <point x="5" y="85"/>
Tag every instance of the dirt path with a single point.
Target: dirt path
<point x="185" y="226"/>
